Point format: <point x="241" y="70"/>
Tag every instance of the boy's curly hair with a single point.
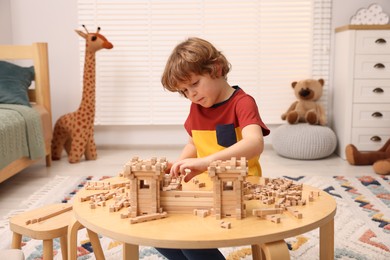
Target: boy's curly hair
<point x="193" y="56"/>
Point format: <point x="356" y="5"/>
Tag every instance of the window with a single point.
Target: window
<point x="144" y="184"/>
<point x="227" y="185"/>
<point x="270" y="44"/>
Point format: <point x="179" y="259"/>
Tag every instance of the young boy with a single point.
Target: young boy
<point x="223" y="122"/>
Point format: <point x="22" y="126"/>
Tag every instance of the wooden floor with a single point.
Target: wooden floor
<point x="111" y="159"/>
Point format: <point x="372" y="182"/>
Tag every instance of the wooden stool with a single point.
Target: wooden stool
<point x="45" y="223"/>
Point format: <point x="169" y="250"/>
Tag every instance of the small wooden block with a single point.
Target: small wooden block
<point x="226" y="225"/>
<point x="273" y="218"/>
<point x="295" y="212"/>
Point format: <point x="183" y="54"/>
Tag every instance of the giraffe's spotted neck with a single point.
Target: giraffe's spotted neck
<point x="93" y="43"/>
<point x="87" y="106"/>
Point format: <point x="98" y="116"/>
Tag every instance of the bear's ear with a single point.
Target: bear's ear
<point x="321" y="81"/>
<point x="294" y="84"/>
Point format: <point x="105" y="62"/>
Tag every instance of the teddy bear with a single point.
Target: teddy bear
<point x="380" y="159"/>
<point x="306" y="109"/>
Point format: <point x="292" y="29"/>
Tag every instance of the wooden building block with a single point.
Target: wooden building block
<point x="50" y="214"/>
<point x="295" y="212"/>
<point x="273" y="218"/>
<point x="201" y="212"/>
<point x="266" y="211"/>
<point x="148" y="217"/>
<point x="226" y="225"/>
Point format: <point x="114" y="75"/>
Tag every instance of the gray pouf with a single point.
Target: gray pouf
<point x="304" y="141"/>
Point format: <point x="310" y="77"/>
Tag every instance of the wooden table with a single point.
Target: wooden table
<point x="190" y="231"/>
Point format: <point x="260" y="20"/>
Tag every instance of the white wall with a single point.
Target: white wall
<point x="26" y="21"/>
<point x="53" y="22"/>
<point x="5" y="22"/>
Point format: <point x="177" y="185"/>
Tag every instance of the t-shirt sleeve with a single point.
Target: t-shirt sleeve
<point x="248" y="113"/>
<point x="187" y="123"/>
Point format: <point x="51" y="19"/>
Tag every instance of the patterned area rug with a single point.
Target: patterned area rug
<point x="362" y="224"/>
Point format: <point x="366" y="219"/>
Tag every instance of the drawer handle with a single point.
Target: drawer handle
<point x="377" y="114"/>
<point x="378" y="90"/>
<point x="380" y="41"/>
<point x="379" y="66"/>
<point x="376" y="138"/>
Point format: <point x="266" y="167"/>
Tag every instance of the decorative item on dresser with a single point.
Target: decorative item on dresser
<point x="361" y="91"/>
<point x="373" y="14"/>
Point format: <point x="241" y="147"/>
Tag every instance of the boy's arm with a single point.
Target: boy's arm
<point x="251" y="145"/>
<point x="189" y="150"/>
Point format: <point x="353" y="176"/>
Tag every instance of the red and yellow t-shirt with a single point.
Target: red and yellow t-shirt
<point x="215" y="128"/>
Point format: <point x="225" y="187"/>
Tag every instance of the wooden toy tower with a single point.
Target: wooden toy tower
<point x="146" y="178"/>
<point x="228" y="178"/>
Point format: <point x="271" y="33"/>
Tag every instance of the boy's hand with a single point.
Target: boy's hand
<point x="169" y="166"/>
<point x="194" y="166"/>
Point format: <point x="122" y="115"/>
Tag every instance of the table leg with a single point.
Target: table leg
<point x="95" y="242"/>
<point x="73" y="227"/>
<point x="64" y="247"/>
<point x="48" y="249"/>
<point x="16" y="241"/>
<point x="257" y="253"/>
<point x="327" y="241"/>
<point x="130" y="252"/>
<point x="277" y="250"/>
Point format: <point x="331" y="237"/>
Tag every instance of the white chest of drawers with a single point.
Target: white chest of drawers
<point x="361" y="89"/>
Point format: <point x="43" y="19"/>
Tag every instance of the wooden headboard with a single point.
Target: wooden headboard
<point x="38" y="53"/>
<point x="39" y="94"/>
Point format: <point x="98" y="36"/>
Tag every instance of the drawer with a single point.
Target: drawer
<point x="373" y="42"/>
<point x="371" y="115"/>
<point x="372" y="66"/>
<point x="371" y="91"/>
<point x="370" y="139"/>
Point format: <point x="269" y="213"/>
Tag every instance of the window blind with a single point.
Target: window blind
<point x="270" y="43"/>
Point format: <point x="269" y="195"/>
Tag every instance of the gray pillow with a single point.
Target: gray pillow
<point x="14" y="83"/>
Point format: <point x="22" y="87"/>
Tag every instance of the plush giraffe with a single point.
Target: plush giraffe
<point x="75" y="131"/>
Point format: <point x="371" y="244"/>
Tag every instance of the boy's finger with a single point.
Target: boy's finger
<point x="169" y="167"/>
<point x="174" y="173"/>
<point x="189" y="176"/>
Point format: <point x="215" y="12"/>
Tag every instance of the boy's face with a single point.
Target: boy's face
<point x="203" y="90"/>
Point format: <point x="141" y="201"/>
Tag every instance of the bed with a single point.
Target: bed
<point x="32" y="123"/>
